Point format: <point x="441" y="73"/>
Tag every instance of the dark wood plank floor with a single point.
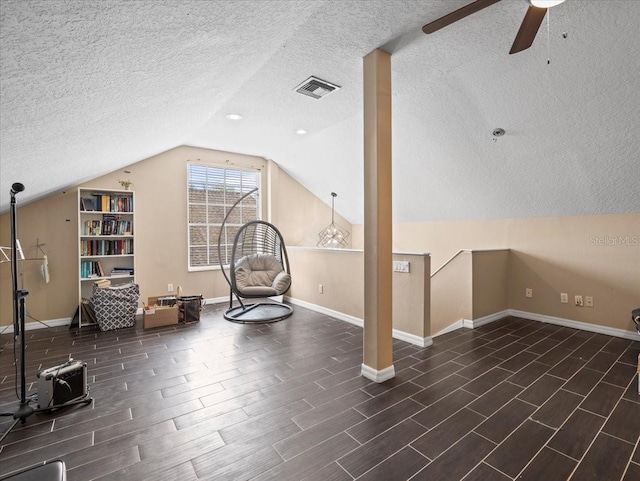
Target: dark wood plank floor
<point x="514" y="399"/>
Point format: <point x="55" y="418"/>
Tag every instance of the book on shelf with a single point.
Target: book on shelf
<point x="87" y="204"/>
<point x="121" y="271"/>
<point x="103" y="283"/>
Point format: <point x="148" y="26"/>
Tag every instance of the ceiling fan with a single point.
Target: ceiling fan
<point x="528" y="29"/>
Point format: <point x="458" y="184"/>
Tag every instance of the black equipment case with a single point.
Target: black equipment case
<point x="62" y="384"/>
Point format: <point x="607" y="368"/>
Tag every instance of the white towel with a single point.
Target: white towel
<point x="44" y="269"/>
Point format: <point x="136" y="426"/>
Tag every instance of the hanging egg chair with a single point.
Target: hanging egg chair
<point x="258" y="269"/>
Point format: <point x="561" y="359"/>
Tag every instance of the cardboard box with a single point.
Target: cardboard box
<point x="158" y="316"/>
<point x="161" y="316"/>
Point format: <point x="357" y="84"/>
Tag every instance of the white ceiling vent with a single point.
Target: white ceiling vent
<point x="316" y="88"/>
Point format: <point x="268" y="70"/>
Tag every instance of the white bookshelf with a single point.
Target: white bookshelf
<point x="106" y="241"/>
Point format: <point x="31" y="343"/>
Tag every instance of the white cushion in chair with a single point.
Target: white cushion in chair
<point x="261" y="275"/>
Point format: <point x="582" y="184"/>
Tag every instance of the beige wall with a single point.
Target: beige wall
<point x="299" y="214"/>
<point x="412" y="296"/>
<point x="451" y="293"/>
<point x="594" y="256"/>
<point x="54" y="224"/>
<point x="160" y="230"/>
<point x="490" y="274"/>
<point x="341" y="273"/>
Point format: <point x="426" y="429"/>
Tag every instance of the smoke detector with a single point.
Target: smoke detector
<point x="316" y="88"/>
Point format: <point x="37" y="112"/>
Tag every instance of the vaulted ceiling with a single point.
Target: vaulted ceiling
<point x="88" y="87"/>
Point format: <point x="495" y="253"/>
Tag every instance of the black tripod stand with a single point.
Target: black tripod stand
<point x="24" y="410"/>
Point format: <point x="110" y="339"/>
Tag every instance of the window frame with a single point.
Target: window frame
<point x="207" y="206"/>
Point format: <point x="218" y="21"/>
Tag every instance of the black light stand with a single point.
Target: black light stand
<point x="24" y="410"/>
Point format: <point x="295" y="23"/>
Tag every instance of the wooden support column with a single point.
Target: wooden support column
<point x="378" y="309"/>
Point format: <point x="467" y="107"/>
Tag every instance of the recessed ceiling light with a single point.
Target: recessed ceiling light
<point x="234" y="116"/>
<point x="545" y="3"/>
<point x="301" y="131"/>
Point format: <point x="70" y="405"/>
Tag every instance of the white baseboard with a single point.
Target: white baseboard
<point x="401" y="335"/>
<point x="216" y="300"/>
<point x="585" y="326"/>
<point x="378" y="376"/>
<point x="356" y="321"/>
<point x="481" y="321"/>
<point x="452" y="327"/>
<point x="412" y="338"/>
<point x="30" y="326"/>
<point x="532" y="316"/>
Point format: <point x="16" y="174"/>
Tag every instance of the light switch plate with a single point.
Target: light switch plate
<point x="401" y="266"/>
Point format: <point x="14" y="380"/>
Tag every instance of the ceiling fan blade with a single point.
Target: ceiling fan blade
<point x="528" y="29"/>
<point x="457" y="15"/>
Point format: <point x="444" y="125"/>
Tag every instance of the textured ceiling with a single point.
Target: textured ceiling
<point x="88" y="87"/>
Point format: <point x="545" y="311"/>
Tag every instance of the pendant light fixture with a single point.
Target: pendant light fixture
<point x="333" y="236"/>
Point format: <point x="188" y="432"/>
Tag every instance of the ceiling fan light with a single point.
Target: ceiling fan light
<point x="545" y="3"/>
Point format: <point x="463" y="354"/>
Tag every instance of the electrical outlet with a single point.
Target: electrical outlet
<point x="588" y="301"/>
<point x="579" y="302"/>
<point x="564" y="297"/>
<point x="320" y="288"/>
<point x="401" y="266"/>
<point x="169" y="287"/>
<point x="528" y="292"/>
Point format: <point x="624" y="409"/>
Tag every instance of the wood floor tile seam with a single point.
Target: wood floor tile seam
<point x="421" y="454"/>
<point x="460" y="439"/>
<point x="342" y="455"/>
<point x="493" y="442"/>
<point x="473" y="410"/>
<point x="563" y="454"/>
<point x="485" y="460"/>
<point x="389" y="428"/>
<point x="375" y="466"/>
<point x="615" y="437"/>
<point x="626" y="468"/>
<point x="548" y="373"/>
<point x="492" y="467"/>
<point x="53" y="429"/>
<point x="525" y="420"/>
<point x="523" y="367"/>
<point x="612" y="409"/>
<point x="586" y="451"/>
<point x="448" y="417"/>
<point x="129" y="377"/>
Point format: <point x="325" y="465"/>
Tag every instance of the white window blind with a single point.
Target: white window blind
<point x="212" y="191"/>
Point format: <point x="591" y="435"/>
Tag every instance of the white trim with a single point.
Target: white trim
<point x="481" y="321"/>
<point x="532" y="316"/>
<point x="216" y="300"/>
<point x="378" y="376"/>
<point x="452" y="327"/>
<point x="584" y="326"/>
<point x="30" y="326"/>
<point x="65" y="321"/>
<point x="359" y="251"/>
<point x="412" y="338"/>
<point x="356" y="321"/>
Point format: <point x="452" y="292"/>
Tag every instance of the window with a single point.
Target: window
<point x="212" y="191"/>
